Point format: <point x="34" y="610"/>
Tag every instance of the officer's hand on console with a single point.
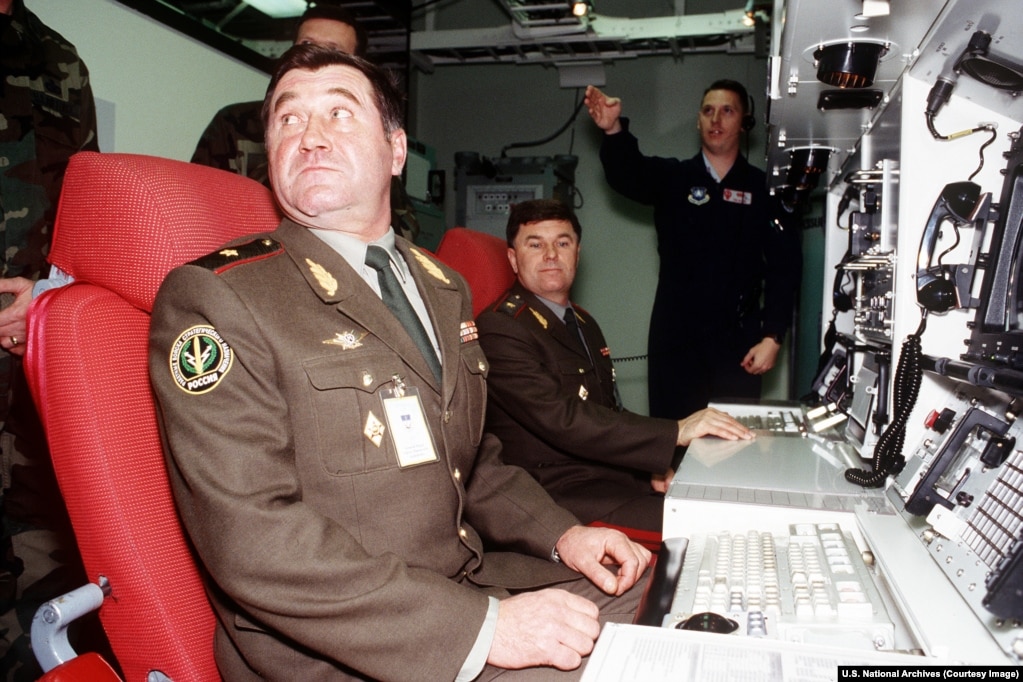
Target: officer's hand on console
<point x="711" y="422"/>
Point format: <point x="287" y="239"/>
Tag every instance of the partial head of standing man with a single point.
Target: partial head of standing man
<point x="333" y="27"/>
<point x="334" y="139"/>
<point x="233" y="139"/>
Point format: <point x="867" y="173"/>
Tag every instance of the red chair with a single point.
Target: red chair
<point x="482" y="259"/>
<point x="123" y="222"/>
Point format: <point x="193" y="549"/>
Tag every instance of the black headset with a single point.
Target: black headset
<point x="749" y="120"/>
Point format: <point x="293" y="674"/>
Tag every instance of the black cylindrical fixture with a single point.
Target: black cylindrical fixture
<point x="848" y="65"/>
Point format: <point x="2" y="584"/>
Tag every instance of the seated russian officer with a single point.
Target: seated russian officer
<point x="552" y="396"/>
<point x="323" y="421"/>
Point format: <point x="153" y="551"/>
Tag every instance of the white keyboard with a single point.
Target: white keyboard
<point x="810" y="585"/>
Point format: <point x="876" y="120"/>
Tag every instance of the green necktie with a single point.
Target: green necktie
<point x="395" y="299"/>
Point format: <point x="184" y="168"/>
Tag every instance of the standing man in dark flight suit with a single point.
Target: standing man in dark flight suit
<point x="724" y="244"/>
<point x="552" y="397"/>
<point x="322" y="393"/>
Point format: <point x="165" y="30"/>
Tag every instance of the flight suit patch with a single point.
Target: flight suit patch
<point x="698" y="196"/>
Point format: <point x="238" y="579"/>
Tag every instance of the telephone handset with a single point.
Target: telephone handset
<point x="961" y="202"/>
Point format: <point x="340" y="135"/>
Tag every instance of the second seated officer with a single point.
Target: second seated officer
<point x="553" y="402"/>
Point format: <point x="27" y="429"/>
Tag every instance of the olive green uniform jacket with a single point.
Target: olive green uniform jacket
<point x="326" y="559"/>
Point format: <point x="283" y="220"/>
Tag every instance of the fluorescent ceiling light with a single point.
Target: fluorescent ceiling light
<point x="279" y="8"/>
<point x="876" y="8"/>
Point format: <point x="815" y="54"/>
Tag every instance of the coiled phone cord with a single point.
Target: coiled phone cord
<point x="888" y="458"/>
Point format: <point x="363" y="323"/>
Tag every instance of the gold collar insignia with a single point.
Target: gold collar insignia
<point x="430" y="266"/>
<point x="539" y="318"/>
<point x="324" y="278"/>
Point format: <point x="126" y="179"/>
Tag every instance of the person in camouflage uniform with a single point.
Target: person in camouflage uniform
<point x="233" y="140"/>
<point x="47" y="113"/>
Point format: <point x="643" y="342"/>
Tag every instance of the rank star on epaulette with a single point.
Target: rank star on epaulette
<point x="228" y="257"/>
<point x="468" y="332"/>
<point x="512" y="305"/>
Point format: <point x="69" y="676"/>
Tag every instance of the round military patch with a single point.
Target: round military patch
<point x="199" y="359"/>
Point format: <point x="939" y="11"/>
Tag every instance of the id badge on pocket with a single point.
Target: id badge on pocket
<point x="406" y="422"/>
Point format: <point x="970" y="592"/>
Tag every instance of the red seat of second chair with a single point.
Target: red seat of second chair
<point x="482" y="259"/>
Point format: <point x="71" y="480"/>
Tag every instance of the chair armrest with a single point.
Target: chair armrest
<point x="51" y="620"/>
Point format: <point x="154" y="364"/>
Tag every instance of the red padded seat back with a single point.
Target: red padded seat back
<point x="123" y="222"/>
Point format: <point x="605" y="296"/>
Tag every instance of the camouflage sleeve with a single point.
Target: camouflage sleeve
<point x="233" y="141"/>
<point x="216" y="146"/>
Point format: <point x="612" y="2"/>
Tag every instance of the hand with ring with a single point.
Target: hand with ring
<point x="13" y="316"/>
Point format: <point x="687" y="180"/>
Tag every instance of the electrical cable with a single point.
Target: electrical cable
<point x="559" y="131"/>
<point x="991" y="129"/>
<point x="888" y="459"/>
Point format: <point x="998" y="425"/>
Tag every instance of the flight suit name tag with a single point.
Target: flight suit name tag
<point x="407" y="425"/>
<point x="737" y="197"/>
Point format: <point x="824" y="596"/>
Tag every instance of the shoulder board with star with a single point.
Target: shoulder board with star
<point x="512" y="304"/>
<point x="230" y="256"/>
